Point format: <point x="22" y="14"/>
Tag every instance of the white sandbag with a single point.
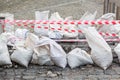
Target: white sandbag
<point x="4" y="54"/>
<point x="55" y="16"/>
<point x="69" y="18"/>
<point x="55" y="34"/>
<point x="31" y="40"/>
<point x="13" y="40"/>
<point x="21" y="33"/>
<point x="78" y="57"/>
<point x="41" y="16"/>
<point x="69" y="34"/>
<point x="100" y="51"/>
<point x="89" y="16"/>
<point x="4" y="37"/>
<point x="117" y="51"/>
<point x="41" y="55"/>
<point x="86" y="16"/>
<point x="108" y="16"/>
<point x="106" y="28"/>
<point x="19" y="43"/>
<point x="57" y="54"/>
<point x="22" y="56"/>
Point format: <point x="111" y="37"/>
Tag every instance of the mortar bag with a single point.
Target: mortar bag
<point x="100" y="51"/>
<point x="117" y="51"/>
<point x="22" y="56"/>
<point x="31" y="41"/>
<point x="41" y="16"/>
<point x="4" y="54"/>
<point x="78" y="57"/>
<point x="21" y="33"/>
<point x="41" y="55"/>
<point x="57" y="54"/>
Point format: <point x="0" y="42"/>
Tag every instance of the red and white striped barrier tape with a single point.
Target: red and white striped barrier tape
<point x="72" y="31"/>
<point x="26" y="22"/>
<point x="75" y="22"/>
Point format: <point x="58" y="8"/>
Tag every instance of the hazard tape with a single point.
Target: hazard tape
<point x="73" y="31"/>
<point x="26" y="23"/>
<point x="74" y="22"/>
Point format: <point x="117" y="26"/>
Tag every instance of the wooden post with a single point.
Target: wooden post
<point x="118" y="13"/>
<point x="112" y="6"/>
<point x="106" y="2"/>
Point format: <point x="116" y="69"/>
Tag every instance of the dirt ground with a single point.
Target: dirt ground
<point x="35" y="72"/>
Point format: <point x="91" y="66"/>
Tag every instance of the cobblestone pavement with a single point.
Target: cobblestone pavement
<point x="35" y="72"/>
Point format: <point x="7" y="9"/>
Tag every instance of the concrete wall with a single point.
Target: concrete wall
<point x="24" y="9"/>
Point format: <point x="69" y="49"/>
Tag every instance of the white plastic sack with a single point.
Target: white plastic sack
<point x="55" y="34"/>
<point x="21" y="33"/>
<point x="57" y="54"/>
<point x="55" y="17"/>
<point x="87" y="16"/>
<point x="78" y="57"/>
<point x="4" y="37"/>
<point x="117" y="51"/>
<point x="100" y="51"/>
<point x="111" y="29"/>
<point x="31" y="40"/>
<point x="69" y="18"/>
<point x="4" y="54"/>
<point x="13" y="40"/>
<point x="41" y="55"/>
<point x="69" y="34"/>
<point x="22" y="56"/>
<point x="108" y="16"/>
<point x="41" y="16"/>
<point x="106" y="28"/>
